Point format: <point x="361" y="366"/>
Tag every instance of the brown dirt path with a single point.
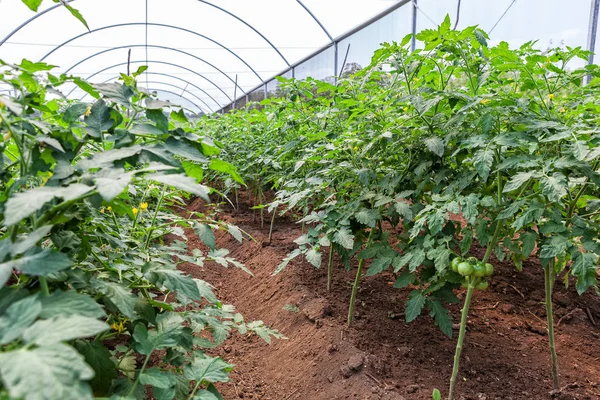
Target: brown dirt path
<point x="381" y="358"/>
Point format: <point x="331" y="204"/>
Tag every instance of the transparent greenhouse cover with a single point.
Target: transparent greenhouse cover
<point x="203" y="54"/>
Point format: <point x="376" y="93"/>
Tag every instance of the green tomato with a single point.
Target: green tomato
<point x="472" y="260"/>
<point x="482" y="285"/>
<point x="479" y="270"/>
<point x="465" y="269"/>
<point x="455" y="263"/>
<point x="489" y="269"/>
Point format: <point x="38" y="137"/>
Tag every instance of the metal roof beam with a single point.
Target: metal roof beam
<point x="152" y="24"/>
<point x="141" y="61"/>
<point x="168" y="84"/>
<point x="152" y="47"/>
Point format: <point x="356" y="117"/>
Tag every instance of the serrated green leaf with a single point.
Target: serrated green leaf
<point x="313" y="257"/>
<point x="42" y="263"/>
<point x="483" y="161"/>
<point x="414" y="305"/>
<point x="98" y="357"/>
<point x="405" y="279"/>
<point x="70" y="303"/>
<point x="585" y="268"/>
<point x="367" y="217"/>
<point x="46" y="373"/>
<point x="344" y="238"/>
<point x="518" y="180"/>
<point x="208" y="369"/>
<point x="379" y="264"/>
<point x="435" y="145"/>
<point x="115" y="92"/>
<point x="206" y="234"/>
<point x="169" y="277"/>
<point x="18" y="317"/>
<point x="182" y="182"/>
<point x="440" y="316"/>
<point x="227" y="168"/>
<point x="62" y="328"/>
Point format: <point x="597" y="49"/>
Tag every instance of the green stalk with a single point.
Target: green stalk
<point x="549" y="283"/>
<point x="262" y="210"/>
<point x="357" y="281"/>
<point x="461" y="338"/>
<point x="139" y="374"/>
<point x="114" y="218"/>
<point x="44" y="286"/>
<point x="151" y="229"/>
<point x="330" y="267"/>
<point x="471" y="285"/>
<point x="272" y="223"/>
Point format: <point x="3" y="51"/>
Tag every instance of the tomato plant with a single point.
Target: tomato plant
<point x="412" y="161"/>
<point x="90" y="289"/>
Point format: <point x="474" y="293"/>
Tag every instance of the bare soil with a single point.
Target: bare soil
<point x="380" y="357"/>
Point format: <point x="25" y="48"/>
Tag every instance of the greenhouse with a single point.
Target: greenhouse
<point x="299" y="199"/>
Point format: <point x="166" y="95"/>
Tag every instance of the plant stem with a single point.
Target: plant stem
<point x="44" y="286"/>
<point x="549" y="283"/>
<point x="461" y="338"/>
<point x="139" y="374"/>
<point x="330" y="267"/>
<point x="357" y="281"/>
<point x="151" y="229"/>
<point x="272" y="223"/>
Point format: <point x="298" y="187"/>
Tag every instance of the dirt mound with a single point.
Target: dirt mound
<point x="380" y="357"/>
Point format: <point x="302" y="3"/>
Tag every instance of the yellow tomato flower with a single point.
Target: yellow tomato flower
<point x="405" y="109"/>
<point x="118" y="326"/>
<point x="416" y="79"/>
<point x="484" y="101"/>
<point x="551" y="96"/>
<point x="144" y="206"/>
<point x="109" y="208"/>
<point x="355" y="148"/>
<point x="562" y="110"/>
<point x="102" y="210"/>
<point x="88" y="111"/>
<point x="135" y="211"/>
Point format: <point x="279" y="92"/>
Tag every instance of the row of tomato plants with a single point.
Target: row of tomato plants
<point x="92" y="303"/>
<point x="421" y="155"/>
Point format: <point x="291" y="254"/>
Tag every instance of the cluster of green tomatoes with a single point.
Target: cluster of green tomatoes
<point x="474" y="271"/>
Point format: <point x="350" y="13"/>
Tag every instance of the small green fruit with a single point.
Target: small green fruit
<point x="479" y="270"/>
<point x="465" y="269"/>
<point x="482" y="285"/>
<point x="489" y="269"/>
<point x="455" y="263"/>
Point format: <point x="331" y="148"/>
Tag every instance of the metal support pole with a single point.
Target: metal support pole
<point x="413" y="42"/>
<point x="235" y="91"/>
<point x="265" y="90"/>
<point x="592" y="31"/>
<point x="335" y="62"/>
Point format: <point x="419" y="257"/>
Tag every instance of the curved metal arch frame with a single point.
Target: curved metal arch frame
<point x="152" y="24"/>
<point x="201" y="1"/>
<point x="169" y="84"/>
<point x="143" y="61"/>
<point x="164" y="63"/>
<point x="314" y="17"/>
<point x="184" y="81"/>
<point x="153" y="47"/>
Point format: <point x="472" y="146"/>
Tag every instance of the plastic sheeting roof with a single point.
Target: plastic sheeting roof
<point x="204" y="53"/>
<point x="202" y="46"/>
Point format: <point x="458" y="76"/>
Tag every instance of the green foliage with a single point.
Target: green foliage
<point x="87" y="195"/>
